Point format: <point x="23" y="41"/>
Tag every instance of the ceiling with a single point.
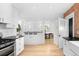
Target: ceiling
<point x="42" y="11"/>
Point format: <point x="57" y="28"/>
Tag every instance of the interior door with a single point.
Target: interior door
<point x="61" y="31"/>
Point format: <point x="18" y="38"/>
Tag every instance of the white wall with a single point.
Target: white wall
<point x="15" y="16"/>
<point x="37" y="25"/>
<point x="32" y="26"/>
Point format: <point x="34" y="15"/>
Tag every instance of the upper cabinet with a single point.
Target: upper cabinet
<point x="5" y="12"/>
<point x="9" y="15"/>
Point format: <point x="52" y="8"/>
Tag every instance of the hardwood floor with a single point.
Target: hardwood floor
<point x="47" y="49"/>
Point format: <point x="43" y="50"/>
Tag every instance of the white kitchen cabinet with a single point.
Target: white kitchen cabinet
<point x="19" y="45"/>
<point x="68" y="51"/>
<point x="22" y="43"/>
<point x="74" y="45"/>
<point x="65" y="47"/>
<point x="6" y="12"/>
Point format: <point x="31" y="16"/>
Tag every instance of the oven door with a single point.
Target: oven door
<point x="7" y="51"/>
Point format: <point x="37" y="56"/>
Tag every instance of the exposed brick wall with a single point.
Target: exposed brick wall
<point x="74" y="8"/>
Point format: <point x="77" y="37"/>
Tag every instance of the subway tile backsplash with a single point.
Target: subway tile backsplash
<point x="7" y="32"/>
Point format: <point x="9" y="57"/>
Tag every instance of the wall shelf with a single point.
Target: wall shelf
<point x="3" y="23"/>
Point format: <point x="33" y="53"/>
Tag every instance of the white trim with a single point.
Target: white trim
<point x="71" y="16"/>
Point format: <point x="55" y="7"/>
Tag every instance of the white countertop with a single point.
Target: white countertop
<point x="48" y="32"/>
<point x="76" y="43"/>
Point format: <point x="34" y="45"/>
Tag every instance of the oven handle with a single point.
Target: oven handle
<point x="7" y="47"/>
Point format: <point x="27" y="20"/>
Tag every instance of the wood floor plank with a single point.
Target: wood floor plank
<point x="47" y="49"/>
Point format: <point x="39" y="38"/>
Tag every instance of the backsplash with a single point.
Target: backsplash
<point x="7" y="32"/>
<point x="2" y="26"/>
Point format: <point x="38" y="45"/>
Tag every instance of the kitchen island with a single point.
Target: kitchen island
<point x="34" y="38"/>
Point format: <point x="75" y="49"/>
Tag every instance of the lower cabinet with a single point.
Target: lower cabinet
<point x="19" y="45"/>
<point x="67" y="49"/>
<point x="74" y="48"/>
<point x="68" y="52"/>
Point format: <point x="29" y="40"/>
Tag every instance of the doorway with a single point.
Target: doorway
<point x="61" y="31"/>
<point x="48" y="38"/>
<point x="71" y="27"/>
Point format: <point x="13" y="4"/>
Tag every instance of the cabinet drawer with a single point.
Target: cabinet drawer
<point x="74" y="48"/>
<point x="67" y="51"/>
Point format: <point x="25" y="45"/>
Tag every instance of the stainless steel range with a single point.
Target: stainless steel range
<point x="7" y="47"/>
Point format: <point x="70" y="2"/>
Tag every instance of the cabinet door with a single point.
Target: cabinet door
<point x="22" y="43"/>
<point x="6" y="12"/>
<point x="74" y="48"/>
<point x="17" y="46"/>
<point x="66" y="49"/>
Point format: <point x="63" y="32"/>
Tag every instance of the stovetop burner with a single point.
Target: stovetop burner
<point x="5" y="42"/>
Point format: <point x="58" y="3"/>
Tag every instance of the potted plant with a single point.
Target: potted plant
<point x="18" y="30"/>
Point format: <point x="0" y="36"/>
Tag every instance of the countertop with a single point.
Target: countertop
<point x="33" y="33"/>
<point x="48" y="32"/>
<point x="71" y="39"/>
<point x="76" y="43"/>
<point x="13" y="37"/>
